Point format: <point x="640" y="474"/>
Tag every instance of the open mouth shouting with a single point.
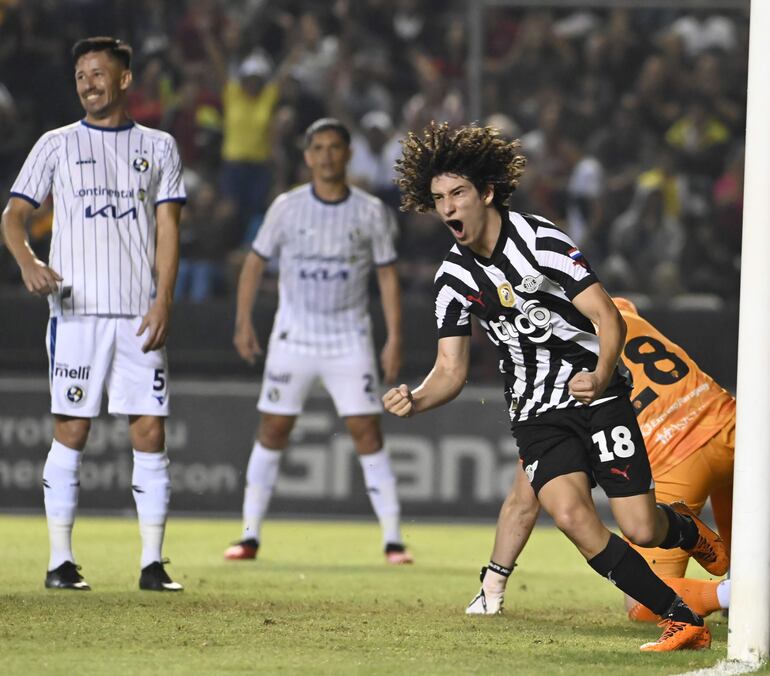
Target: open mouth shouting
<point x="457" y="227"/>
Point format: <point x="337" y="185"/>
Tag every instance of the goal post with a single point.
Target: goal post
<point x="749" y="624"/>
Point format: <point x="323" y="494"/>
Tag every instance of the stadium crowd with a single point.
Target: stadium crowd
<point x="632" y="120"/>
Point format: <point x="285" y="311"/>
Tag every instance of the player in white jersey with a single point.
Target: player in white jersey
<point x="327" y="236"/>
<point x="117" y="191"/>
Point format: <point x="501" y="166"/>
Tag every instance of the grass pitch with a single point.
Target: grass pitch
<point x="319" y="600"/>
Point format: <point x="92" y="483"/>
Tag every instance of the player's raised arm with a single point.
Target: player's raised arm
<point x="595" y="304"/>
<point x="245" y="337"/>
<point x="444" y="382"/>
<point x="38" y="277"/>
<point x="390" y="293"/>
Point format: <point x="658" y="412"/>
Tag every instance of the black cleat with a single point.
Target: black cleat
<point x="66" y="576"/>
<point x="155" y="578"/>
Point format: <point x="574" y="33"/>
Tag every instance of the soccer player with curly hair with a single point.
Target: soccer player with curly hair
<point x="540" y="304"/>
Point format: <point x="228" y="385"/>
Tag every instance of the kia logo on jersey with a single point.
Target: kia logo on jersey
<point x="323" y="275"/>
<point x="110" y="211"/>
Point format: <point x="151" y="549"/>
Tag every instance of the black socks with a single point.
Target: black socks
<point x="629" y="572"/>
<point x="682" y="531"/>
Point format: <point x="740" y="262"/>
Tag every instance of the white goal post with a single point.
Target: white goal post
<point x="749" y="624"/>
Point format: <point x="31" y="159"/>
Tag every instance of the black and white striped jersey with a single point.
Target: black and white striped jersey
<point x="522" y="297"/>
<point x="106" y="184"/>
<point x="326" y="252"/>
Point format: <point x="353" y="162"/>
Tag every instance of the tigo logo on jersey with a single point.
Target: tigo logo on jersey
<point x="75" y="394"/>
<point x="578" y="258"/>
<point x="505" y="292"/>
<point x="140" y="164"/>
<point x="534" y="322"/>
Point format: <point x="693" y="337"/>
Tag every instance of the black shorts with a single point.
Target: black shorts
<point x="604" y="441"/>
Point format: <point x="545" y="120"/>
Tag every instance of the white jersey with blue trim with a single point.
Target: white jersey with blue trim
<point x="106" y="184"/>
<point x="326" y="251"/>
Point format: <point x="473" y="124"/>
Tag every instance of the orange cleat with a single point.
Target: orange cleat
<point x="242" y="551"/>
<point x="397" y="555"/>
<point x="709" y="551"/>
<point x="679" y="636"/>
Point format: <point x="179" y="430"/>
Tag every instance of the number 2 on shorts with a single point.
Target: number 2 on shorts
<point x="623" y="446"/>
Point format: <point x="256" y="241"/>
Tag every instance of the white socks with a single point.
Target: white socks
<point x="261" y="475"/>
<point x="151" y="486"/>
<point x="381" y="487"/>
<point x="723" y="593"/>
<point x="61" y="484"/>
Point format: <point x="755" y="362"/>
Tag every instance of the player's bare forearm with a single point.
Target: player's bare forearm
<point x="249" y="282"/>
<point x="245" y="338"/>
<point x="597" y="306"/>
<point x="516" y="521"/>
<point x="155" y="323"/>
<point x="37" y="276"/>
<point x="167" y="252"/>
<point x="390" y="293"/>
<point x="442" y="384"/>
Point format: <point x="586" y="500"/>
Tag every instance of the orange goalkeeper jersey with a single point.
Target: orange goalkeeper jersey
<point x="678" y="406"/>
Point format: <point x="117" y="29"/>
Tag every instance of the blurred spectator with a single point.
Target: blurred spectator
<point x="375" y="151"/>
<point x="551" y="158"/>
<point x="699" y="138"/>
<point x="647" y="240"/>
<point x="195" y="120"/>
<point x="206" y="235"/>
<point x="249" y="102"/>
<point x="316" y="54"/>
<point x="701" y="31"/>
<point x="151" y="93"/>
<point x="728" y="203"/>
<point x="656" y="90"/>
<point x="436" y="100"/>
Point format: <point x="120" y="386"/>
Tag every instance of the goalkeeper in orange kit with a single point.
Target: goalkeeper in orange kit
<point x="688" y="423"/>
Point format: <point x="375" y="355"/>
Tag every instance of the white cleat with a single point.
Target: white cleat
<point x="485" y="604"/>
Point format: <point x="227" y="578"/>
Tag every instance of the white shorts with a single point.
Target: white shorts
<point x="88" y="354"/>
<point x="350" y="379"/>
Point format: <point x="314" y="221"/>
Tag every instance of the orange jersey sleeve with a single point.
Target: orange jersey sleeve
<point x="678" y="406"/>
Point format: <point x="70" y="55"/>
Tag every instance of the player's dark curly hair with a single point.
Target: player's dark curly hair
<point x="479" y="154"/>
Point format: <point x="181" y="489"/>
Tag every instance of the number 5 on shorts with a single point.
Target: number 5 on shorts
<point x="623" y="446"/>
<point x="159" y="381"/>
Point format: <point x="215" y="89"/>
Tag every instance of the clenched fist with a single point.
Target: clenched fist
<point x="399" y="401"/>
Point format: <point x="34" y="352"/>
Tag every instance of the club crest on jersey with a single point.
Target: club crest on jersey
<point x="273" y="394"/>
<point x="505" y="293"/>
<point x="530" y="284"/>
<point x="578" y="258"/>
<point x="140" y="164"/>
<point x="75" y="394"/>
